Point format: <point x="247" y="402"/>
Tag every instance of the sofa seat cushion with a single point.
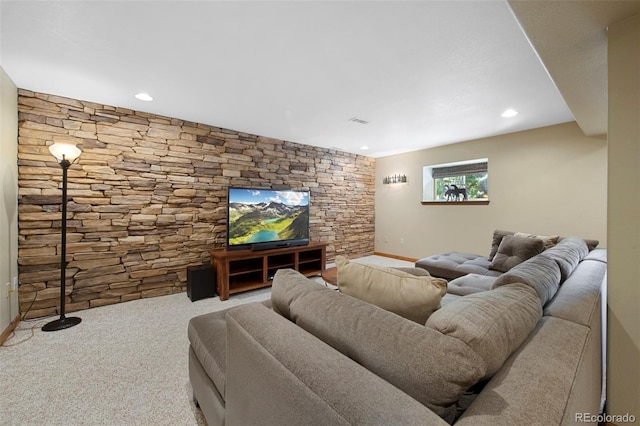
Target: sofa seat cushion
<point x="410" y="296"/>
<point x="453" y="265"/>
<point x="470" y="284"/>
<point x="208" y="336"/>
<point x="433" y="368"/>
<point x="514" y="250"/>
<point x="492" y="323"/>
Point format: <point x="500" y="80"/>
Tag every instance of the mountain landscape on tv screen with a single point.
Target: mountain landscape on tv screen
<point x="263" y="222"/>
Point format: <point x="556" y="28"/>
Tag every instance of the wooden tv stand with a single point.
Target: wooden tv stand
<point x="243" y="270"/>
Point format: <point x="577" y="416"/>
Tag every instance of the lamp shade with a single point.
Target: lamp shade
<point x="65" y="151"/>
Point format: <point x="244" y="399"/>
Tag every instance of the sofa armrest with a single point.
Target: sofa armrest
<point x="277" y="373"/>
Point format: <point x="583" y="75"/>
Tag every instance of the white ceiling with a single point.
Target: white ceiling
<point x="422" y="73"/>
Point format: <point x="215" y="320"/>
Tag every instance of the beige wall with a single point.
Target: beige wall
<point x="623" y="387"/>
<point x="9" y="198"/>
<point x="545" y="181"/>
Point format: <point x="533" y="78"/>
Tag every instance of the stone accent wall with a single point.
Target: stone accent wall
<point x="147" y="199"/>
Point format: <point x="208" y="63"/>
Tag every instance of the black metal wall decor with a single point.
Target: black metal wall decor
<point x="394" y="179"/>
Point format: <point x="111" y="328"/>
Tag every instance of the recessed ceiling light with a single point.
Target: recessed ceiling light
<point x="509" y="113"/>
<point x="144" y="97"/>
<point x="364" y="147"/>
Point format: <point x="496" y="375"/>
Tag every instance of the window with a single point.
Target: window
<point x="455" y="182"/>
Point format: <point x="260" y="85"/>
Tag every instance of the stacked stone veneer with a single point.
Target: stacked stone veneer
<point x="147" y="199"/>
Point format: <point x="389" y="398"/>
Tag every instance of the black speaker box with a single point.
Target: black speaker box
<point x="201" y="282"/>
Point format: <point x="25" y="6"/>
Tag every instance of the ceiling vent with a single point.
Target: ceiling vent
<point x="358" y="120"/>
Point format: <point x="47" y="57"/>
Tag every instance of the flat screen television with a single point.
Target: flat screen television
<point x="261" y="219"/>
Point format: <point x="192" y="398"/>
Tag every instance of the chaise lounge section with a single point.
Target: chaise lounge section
<point x="452" y="265"/>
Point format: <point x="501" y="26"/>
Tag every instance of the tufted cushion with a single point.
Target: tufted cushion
<point x="456" y="264"/>
<point x="493" y="323"/>
<point x="410" y="296"/>
<point x="514" y="250"/>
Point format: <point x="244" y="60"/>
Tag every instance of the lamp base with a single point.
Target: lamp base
<point x="61" y="324"/>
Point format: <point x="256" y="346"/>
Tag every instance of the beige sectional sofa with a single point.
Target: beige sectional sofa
<point x="527" y="350"/>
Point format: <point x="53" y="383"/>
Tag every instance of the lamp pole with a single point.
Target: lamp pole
<point x="62" y="157"/>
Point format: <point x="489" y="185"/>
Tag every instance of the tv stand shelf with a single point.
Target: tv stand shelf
<point x="243" y="270"/>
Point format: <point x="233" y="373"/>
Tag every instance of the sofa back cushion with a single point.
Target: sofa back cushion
<point x="492" y="323"/>
<point x="568" y="253"/>
<point x="541" y="273"/>
<point x="410" y="296"/>
<point x="433" y="368"/>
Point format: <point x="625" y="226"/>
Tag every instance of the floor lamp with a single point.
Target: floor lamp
<point x="66" y="154"/>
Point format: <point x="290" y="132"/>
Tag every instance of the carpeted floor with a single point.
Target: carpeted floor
<point x="124" y="364"/>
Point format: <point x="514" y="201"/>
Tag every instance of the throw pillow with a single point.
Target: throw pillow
<point x="410" y="296"/>
<point x="515" y="250"/>
<point x="549" y="240"/>
<point x="591" y="244"/>
<point x="498" y="235"/>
